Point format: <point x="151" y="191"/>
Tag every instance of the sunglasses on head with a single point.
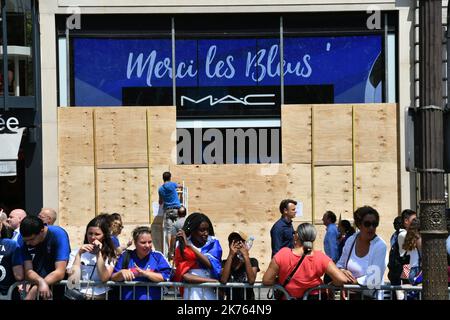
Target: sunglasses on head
<point x="368" y="224"/>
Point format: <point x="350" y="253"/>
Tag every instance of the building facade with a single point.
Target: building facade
<point x="247" y="102"/>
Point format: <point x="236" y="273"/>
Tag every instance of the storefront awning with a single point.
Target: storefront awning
<point x="9" y="149"/>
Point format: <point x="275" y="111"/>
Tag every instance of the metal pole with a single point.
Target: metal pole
<point x="431" y="157"/>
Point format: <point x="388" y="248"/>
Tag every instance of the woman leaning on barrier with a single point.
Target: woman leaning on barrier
<point x="142" y="264"/>
<point x="94" y="260"/>
<point x="314" y="264"/>
<point x="363" y="259"/>
<point x="11" y="263"/>
<point x="198" y="257"/>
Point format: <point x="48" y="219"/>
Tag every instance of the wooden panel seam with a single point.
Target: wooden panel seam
<point x="94" y="137"/>
<point x="123" y="166"/>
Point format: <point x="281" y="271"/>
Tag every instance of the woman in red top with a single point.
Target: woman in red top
<point x="309" y="273"/>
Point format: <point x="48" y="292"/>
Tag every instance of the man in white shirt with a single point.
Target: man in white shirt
<point x="14" y="220"/>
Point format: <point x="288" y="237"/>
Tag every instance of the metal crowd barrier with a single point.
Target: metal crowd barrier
<point x="361" y="292"/>
<point x="169" y="290"/>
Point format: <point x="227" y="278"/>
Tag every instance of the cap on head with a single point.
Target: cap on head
<point x="237" y="235"/>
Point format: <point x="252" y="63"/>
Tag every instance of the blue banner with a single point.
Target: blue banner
<point x="349" y="64"/>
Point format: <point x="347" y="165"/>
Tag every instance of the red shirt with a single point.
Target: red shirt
<point x="308" y="275"/>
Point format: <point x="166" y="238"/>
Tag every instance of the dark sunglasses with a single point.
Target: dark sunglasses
<point x="368" y="224"/>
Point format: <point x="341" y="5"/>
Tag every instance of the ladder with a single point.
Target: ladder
<point x="183" y="195"/>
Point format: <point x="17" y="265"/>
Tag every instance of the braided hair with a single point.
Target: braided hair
<point x="192" y="223"/>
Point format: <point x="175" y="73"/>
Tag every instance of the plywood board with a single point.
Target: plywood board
<point x="298" y="188"/>
<point x="121" y="137"/>
<point x="376" y="133"/>
<point x="296" y="133"/>
<point x="216" y="190"/>
<point x="376" y="186"/>
<point x="124" y="191"/>
<point x="75" y="137"/>
<point x="76" y="235"/>
<point x="332" y="133"/>
<point x="76" y="195"/>
<point x="162" y="135"/>
<point x="245" y="193"/>
<point x="333" y="190"/>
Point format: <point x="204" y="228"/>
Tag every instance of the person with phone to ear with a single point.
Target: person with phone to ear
<point x="198" y="257"/>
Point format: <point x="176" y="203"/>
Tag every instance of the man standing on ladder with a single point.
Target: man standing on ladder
<point x="168" y="197"/>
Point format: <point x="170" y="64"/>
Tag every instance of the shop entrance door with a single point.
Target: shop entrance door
<point x="12" y="188"/>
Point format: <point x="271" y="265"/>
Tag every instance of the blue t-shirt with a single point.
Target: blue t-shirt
<point x="54" y="248"/>
<point x="115" y="241"/>
<point x="10" y="256"/>
<point x="156" y="262"/>
<point x="168" y="192"/>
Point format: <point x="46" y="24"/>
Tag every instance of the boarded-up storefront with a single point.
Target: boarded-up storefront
<point x="334" y="157"/>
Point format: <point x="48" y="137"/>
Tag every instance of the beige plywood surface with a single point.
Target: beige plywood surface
<point x="333" y="191"/>
<point x="75" y="137"/>
<point x="216" y="190"/>
<point x="376" y="133"/>
<point x="162" y="135"/>
<point x="124" y="191"/>
<point x="332" y="134"/>
<point x="376" y="186"/>
<point x="245" y="193"/>
<point x="76" y="195"/>
<point x="298" y="188"/>
<point x="76" y="235"/>
<point x="296" y="133"/>
<point x="121" y="137"/>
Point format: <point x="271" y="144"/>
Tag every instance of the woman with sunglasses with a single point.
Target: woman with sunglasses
<point x="363" y="259"/>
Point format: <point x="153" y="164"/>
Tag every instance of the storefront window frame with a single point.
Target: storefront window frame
<point x="8" y="101"/>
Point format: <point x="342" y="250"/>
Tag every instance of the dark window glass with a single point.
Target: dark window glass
<point x="20" y="43"/>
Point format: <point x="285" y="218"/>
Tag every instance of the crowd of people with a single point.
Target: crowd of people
<point x="35" y="250"/>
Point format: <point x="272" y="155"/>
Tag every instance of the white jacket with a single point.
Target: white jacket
<point x="377" y="261"/>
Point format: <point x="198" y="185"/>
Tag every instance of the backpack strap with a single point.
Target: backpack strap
<point x="126" y="259"/>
